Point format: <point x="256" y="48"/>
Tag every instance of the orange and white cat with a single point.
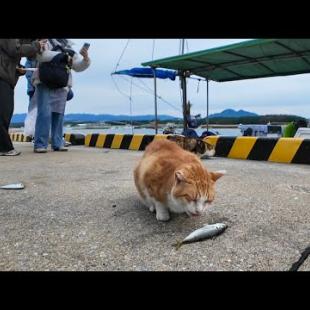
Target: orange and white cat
<point x="170" y="179"/>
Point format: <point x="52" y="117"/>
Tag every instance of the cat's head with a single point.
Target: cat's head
<point x="194" y="188"/>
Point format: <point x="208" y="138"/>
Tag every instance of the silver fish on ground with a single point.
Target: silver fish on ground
<point x="207" y="231"/>
<point x="13" y="186"/>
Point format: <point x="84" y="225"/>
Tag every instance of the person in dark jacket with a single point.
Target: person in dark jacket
<point x="11" y="52"/>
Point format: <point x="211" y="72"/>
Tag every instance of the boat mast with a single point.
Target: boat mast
<point x="155" y="91"/>
<point x="155" y="101"/>
<point x="183" y="87"/>
<point x="207" y="119"/>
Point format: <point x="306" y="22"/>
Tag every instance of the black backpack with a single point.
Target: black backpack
<point x="55" y="73"/>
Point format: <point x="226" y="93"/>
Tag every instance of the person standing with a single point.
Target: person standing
<point x="30" y="121"/>
<point x="11" y="52"/>
<point x="51" y="99"/>
<point x="32" y="107"/>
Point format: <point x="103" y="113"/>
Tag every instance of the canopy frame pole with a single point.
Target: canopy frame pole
<point x="155" y="101"/>
<point x="207" y="80"/>
<point x="184" y="99"/>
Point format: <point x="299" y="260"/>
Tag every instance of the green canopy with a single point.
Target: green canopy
<point x="246" y="60"/>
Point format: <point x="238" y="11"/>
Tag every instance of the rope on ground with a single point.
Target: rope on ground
<point x="302" y="258"/>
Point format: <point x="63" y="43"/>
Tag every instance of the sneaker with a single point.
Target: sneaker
<point x="66" y="144"/>
<point x="60" y="149"/>
<point x="40" y="150"/>
<point x="10" y="153"/>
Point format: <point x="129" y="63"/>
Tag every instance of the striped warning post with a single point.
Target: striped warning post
<point x="75" y="139"/>
<point x="121" y="141"/>
<point x="281" y="150"/>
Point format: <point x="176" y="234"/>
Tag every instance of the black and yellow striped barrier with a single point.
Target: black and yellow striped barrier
<point x="19" y="137"/>
<point x="121" y="141"/>
<point x="75" y="139"/>
<point x="281" y="150"/>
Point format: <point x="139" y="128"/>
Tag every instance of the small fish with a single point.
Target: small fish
<point x="13" y="186"/>
<point x="205" y="232"/>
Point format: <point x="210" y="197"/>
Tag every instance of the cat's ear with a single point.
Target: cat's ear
<point x="217" y="174"/>
<point x="179" y="176"/>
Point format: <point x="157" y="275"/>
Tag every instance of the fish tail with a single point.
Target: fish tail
<point x="178" y="245"/>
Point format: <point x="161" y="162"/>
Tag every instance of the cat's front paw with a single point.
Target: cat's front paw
<point x="164" y="217"/>
<point x="152" y="209"/>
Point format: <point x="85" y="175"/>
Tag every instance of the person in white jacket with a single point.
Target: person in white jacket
<point x="52" y="101"/>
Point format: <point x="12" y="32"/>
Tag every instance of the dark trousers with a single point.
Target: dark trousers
<point x="6" y="113"/>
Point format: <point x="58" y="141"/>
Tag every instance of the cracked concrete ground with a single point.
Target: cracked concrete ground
<point x="80" y="211"/>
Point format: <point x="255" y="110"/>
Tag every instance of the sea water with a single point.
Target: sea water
<point x="148" y="131"/>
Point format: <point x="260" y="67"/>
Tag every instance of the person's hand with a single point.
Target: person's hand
<point x="20" y="70"/>
<point x="43" y="44"/>
<point x="84" y="53"/>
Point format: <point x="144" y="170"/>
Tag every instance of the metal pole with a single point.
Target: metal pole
<point x="207" y="104"/>
<point x="184" y="97"/>
<point x="155" y="101"/>
<point x="183" y="86"/>
<point x="182" y="46"/>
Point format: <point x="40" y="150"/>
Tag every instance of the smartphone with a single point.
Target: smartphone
<point x="86" y="45"/>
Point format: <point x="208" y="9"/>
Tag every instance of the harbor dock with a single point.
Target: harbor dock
<point x="80" y="211"/>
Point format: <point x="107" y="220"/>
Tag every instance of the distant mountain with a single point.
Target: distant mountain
<point x="233" y="113"/>
<point x="82" y="117"/>
<point x="20" y="118"/>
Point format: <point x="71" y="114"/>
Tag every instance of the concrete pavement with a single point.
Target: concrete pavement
<point x="80" y="211"/>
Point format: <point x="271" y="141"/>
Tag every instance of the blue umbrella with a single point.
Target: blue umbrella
<point x="148" y="73"/>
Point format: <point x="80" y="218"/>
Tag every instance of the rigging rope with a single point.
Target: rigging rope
<point x="130" y="104"/>
<point x="121" y="55"/>
<point x="146" y="88"/>
<point x="152" y="93"/>
<point x="122" y="93"/>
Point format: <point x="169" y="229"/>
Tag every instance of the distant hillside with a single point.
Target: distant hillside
<point x="259" y="119"/>
<point x="115" y="118"/>
<point x="82" y="118"/>
<point x="227" y="116"/>
<point x="232" y="113"/>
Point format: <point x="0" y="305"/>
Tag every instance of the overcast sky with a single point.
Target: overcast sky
<point x="95" y="92"/>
